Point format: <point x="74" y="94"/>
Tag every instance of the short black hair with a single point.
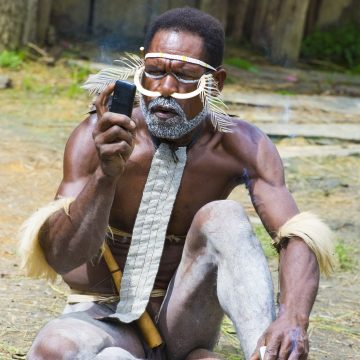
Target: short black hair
<point x="193" y="21"/>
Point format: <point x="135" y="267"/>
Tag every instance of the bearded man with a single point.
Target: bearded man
<point x="154" y="188"/>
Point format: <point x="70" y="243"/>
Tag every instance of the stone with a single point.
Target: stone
<point x="5" y="82"/>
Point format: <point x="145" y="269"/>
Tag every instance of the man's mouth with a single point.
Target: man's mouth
<point x="164" y="112"/>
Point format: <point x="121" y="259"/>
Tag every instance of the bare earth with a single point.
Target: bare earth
<point x="35" y="120"/>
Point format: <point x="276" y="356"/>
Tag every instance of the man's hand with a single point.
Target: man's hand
<point x="284" y="339"/>
<point x="113" y="136"/>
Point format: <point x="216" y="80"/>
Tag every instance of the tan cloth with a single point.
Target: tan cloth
<point x="76" y="296"/>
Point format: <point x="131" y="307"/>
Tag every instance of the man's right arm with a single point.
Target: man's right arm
<point x="94" y="161"/>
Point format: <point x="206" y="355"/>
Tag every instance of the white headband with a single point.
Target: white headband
<point x="137" y="81"/>
<point x="180" y="58"/>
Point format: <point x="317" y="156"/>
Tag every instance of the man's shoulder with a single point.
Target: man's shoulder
<point x="84" y="128"/>
<point x="249" y="144"/>
<point x="245" y="135"/>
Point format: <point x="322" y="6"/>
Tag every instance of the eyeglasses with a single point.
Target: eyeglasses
<point x="180" y="77"/>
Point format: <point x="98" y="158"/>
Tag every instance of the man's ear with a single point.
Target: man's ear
<point x="220" y="76"/>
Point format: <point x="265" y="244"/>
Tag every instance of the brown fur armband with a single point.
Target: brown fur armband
<point x="315" y="233"/>
<point x="33" y="261"/>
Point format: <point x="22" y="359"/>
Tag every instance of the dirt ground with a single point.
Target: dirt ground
<point x="36" y="118"/>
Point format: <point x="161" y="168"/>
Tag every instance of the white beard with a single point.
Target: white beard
<point x="175" y="127"/>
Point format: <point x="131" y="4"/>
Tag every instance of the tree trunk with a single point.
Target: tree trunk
<point x="12" y="18"/>
<point x="284" y="29"/>
<point x="237" y="10"/>
<point x="43" y="24"/>
<point x="355" y="11"/>
<point x="22" y="21"/>
<point x="312" y="16"/>
<point x="30" y="24"/>
<point x="216" y="8"/>
<point x="256" y="25"/>
<point x="331" y="11"/>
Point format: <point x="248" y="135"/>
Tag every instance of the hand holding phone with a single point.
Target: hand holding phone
<point x="114" y="134"/>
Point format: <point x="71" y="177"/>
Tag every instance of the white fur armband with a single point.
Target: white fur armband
<point x="33" y="261"/>
<point x="316" y="234"/>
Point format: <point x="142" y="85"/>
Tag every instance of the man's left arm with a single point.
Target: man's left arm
<point x="286" y="337"/>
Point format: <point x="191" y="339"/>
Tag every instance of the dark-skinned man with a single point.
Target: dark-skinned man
<point x="154" y="187"/>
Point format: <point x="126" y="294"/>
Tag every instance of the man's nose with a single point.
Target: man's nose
<point x="168" y="85"/>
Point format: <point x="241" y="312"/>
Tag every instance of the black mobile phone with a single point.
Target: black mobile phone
<point x="123" y="98"/>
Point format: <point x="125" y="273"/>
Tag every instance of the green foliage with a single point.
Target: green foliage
<point x="230" y="348"/>
<point x="78" y="75"/>
<point x="284" y="92"/>
<point x="339" y="44"/>
<point x="241" y="64"/>
<point x="265" y="241"/>
<point x="11" y="59"/>
<point x="343" y="257"/>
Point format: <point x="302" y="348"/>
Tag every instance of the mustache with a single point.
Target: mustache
<point x="167" y="103"/>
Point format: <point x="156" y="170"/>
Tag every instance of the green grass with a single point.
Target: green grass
<point x="231" y="350"/>
<point x="70" y="88"/>
<point x="241" y="64"/>
<point x="284" y="92"/>
<point x="339" y="44"/>
<point x="343" y="257"/>
<point x="265" y="241"/>
<point x="11" y="59"/>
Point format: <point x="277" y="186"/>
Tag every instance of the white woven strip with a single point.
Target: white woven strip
<point x="180" y="58"/>
<point x="149" y="232"/>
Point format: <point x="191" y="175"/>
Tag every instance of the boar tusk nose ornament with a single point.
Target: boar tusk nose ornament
<point x="137" y="81"/>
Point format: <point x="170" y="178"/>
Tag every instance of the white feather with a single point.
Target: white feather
<point x="211" y="97"/>
<point x="127" y="66"/>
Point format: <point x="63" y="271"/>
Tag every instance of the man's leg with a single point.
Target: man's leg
<point x="114" y="353"/>
<point x="77" y="335"/>
<point x="223" y="268"/>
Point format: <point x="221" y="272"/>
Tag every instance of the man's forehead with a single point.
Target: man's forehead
<point x="179" y="57"/>
<point x="182" y="43"/>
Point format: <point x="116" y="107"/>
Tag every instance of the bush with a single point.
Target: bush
<point x="11" y="59"/>
<point x="339" y="44"/>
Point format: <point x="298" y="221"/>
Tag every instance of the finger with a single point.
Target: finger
<point x="301" y="350"/>
<point x="285" y="348"/>
<point x="110" y="119"/>
<point x="101" y="100"/>
<point x="108" y="151"/>
<point x="114" y="134"/>
<point x="256" y="354"/>
<point x="272" y="348"/>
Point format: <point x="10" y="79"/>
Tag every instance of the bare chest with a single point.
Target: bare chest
<point x="207" y="176"/>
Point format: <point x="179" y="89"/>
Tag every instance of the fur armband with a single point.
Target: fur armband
<point x="316" y="234"/>
<point x="33" y="261"/>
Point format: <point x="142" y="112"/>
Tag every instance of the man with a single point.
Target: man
<point x="210" y="261"/>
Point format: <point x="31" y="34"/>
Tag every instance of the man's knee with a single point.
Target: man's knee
<point x="52" y="346"/>
<point x="68" y="338"/>
<point x="221" y="223"/>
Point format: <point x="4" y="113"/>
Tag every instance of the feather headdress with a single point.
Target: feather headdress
<point x="132" y="65"/>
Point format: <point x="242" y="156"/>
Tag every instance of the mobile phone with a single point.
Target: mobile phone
<point x="123" y="98"/>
